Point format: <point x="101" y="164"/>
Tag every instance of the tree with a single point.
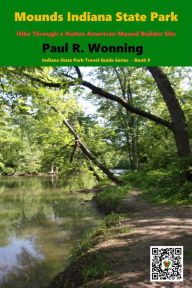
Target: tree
<point x="125" y="124"/>
<point x="179" y="126"/>
<point x="64" y="107"/>
<point x="128" y="97"/>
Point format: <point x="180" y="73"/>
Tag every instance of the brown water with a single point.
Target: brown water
<point x="41" y="220"/>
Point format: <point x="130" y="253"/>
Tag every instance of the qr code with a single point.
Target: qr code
<point x="166" y="263"/>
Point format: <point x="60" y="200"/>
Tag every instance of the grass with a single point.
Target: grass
<point x="97" y="265"/>
<point x="92" y="263"/>
<point x="103" y="182"/>
<point x="110" y="198"/>
<point x="89" y="262"/>
<point x="113" y="219"/>
<point x="97" y="268"/>
<point x="126" y="230"/>
<point x="91" y="239"/>
<point x="161" y="186"/>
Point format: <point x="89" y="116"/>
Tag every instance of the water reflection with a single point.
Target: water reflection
<point x="23" y="247"/>
<point x="40" y="222"/>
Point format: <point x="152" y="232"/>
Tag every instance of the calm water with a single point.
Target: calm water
<point x="41" y="220"/>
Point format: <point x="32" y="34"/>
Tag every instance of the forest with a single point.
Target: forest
<point x="134" y="118"/>
<point x="64" y="132"/>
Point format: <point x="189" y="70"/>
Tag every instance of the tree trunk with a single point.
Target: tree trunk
<point x="52" y="172"/>
<point x="126" y="91"/>
<point x="85" y="150"/>
<point x="104" y="94"/>
<point x="178" y="119"/>
<point x="134" y="151"/>
<point x="98" y="164"/>
<point x="177" y="126"/>
<point x="74" y="150"/>
<point x="94" y="173"/>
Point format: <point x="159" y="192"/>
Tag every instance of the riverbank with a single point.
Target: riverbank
<point x="24" y="174"/>
<point x="42" y="220"/>
<point x="116" y="253"/>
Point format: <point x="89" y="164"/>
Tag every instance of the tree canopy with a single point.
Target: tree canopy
<point x="141" y="117"/>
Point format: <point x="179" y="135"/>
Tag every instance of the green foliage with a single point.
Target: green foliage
<point x="113" y="219"/>
<point x="95" y="265"/>
<point x="97" y="268"/>
<point x="91" y="239"/>
<point x="33" y="137"/>
<point x="123" y="164"/>
<point x="19" y="154"/>
<point x="8" y="171"/>
<point x="103" y="183"/>
<point x="170" y="186"/>
<point x="110" y="198"/>
<point x="126" y="230"/>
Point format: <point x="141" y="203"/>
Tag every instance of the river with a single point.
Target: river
<point x="41" y="220"/>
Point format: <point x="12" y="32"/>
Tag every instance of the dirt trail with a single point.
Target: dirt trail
<point x="129" y="252"/>
<point x="152" y="225"/>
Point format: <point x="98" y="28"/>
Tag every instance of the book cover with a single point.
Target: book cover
<point x="95" y="144"/>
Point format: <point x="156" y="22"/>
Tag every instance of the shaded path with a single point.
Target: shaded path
<point x="153" y="225"/>
<point x="128" y="247"/>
